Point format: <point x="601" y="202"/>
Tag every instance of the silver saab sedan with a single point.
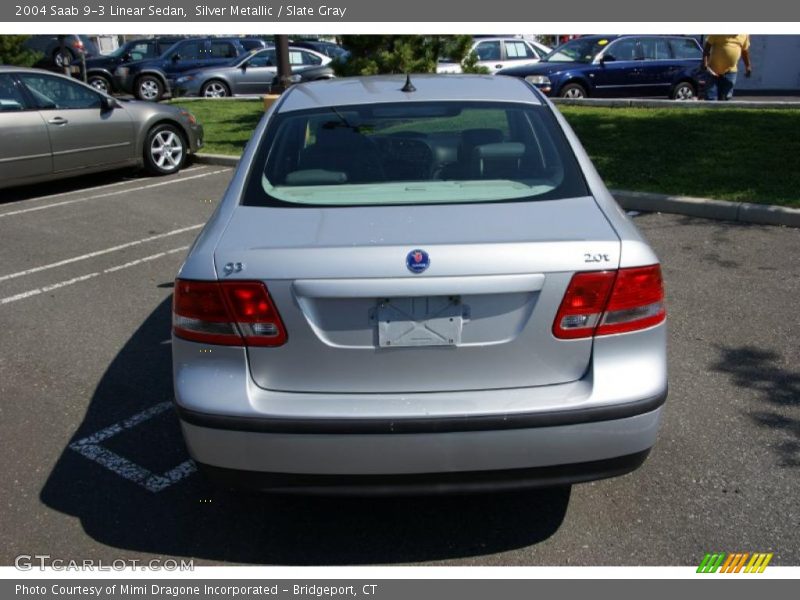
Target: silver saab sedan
<point x="417" y="286"/>
<point x="54" y="127"/>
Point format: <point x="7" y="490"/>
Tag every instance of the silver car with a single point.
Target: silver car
<point x="418" y="285"/>
<point x="54" y="127"/>
<point x="250" y="74"/>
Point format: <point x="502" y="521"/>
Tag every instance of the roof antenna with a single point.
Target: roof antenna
<point x="408" y="87"/>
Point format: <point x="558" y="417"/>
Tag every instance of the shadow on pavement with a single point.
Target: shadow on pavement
<point x="760" y="370"/>
<point x="192" y="519"/>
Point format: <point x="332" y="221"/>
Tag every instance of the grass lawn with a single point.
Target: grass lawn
<point x="731" y="154"/>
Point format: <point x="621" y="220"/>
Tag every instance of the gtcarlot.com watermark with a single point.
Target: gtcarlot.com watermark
<point x="42" y="562"/>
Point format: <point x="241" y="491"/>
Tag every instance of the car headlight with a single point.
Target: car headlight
<point x="538" y="79"/>
<point x="122" y="71"/>
<point x="189" y="117"/>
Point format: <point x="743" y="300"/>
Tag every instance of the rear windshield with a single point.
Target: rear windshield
<point x="413" y="153"/>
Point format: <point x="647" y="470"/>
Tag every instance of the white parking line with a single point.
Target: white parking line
<point x="60" y="284"/>
<point x="100" y="187"/>
<point x="109" y="194"/>
<point x="90" y="448"/>
<point x="67" y="261"/>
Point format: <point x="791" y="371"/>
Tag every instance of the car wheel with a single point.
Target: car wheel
<point x="149" y="88"/>
<point x="62" y="59"/>
<point x="164" y="150"/>
<point x="684" y="91"/>
<point x="100" y="83"/>
<point x="215" y="89"/>
<point x="573" y="90"/>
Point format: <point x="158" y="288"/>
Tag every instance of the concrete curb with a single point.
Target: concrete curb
<point x="722" y="210"/>
<point x="222" y="160"/>
<point x="634" y="103"/>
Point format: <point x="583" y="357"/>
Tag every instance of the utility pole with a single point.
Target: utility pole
<point x="284" y="70"/>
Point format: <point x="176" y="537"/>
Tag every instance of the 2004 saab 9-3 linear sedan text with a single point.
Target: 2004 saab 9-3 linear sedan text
<point x="413" y="286"/>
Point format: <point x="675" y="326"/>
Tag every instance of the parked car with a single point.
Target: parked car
<point x="605" y="66"/>
<point x="251" y="74"/>
<point x="54" y="127"/>
<point x="498" y="53"/>
<point x="54" y="56"/>
<point x="418" y="285"/>
<point x="152" y="79"/>
<point x="100" y="69"/>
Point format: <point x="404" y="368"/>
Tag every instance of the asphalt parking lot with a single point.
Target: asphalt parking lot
<point x="94" y="465"/>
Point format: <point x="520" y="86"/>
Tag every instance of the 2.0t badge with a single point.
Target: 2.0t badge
<point x="417" y="261"/>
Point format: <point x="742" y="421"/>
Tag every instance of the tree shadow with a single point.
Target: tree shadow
<point x="757" y="369"/>
<point x="190" y="518"/>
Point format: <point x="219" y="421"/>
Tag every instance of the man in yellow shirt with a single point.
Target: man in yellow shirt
<point x="721" y="54"/>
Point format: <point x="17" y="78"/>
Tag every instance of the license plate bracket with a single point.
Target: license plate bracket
<point x="419" y="321"/>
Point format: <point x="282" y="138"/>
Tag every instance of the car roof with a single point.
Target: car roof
<point x="386" y="88"/>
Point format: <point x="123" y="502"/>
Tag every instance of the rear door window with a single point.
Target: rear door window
<point x="686" y="49"/>
<point x="656" y="49"/>
<point x="221" y="49"/>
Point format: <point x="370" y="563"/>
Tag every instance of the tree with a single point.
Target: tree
<point x="378" y="54"/>
<point x="12" y="51"/>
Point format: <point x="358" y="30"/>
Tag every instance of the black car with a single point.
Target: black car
<point x="614" y="66"/>
<point x="152" y="79"/>
<point x="100" y="69"/>
<point x="54" y="55"/>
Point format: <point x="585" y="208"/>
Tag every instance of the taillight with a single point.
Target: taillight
<point x="606" y="302"/>
<point x="78" y="45"/>
<point x="230" y="313"/>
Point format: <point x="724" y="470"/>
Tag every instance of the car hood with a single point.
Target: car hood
<point x="541" y="68"/>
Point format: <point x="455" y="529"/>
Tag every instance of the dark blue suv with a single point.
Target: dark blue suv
<point x="152" y="79"/>
<point x="614" y="66"/>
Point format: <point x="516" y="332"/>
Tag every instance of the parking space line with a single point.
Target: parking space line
<point x="60" y="284"/>
<point x="89" y="447"/>
<point x="67" y="261"/>
<point x="109" y="194"/>
<point x="99" y="187"/>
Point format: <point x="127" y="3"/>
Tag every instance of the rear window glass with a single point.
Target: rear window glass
<point x="413" y="153"/>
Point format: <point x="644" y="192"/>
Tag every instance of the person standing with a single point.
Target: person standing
<point x="721" y="54"/>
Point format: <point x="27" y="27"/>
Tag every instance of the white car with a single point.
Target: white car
<point x="499" y="53"/>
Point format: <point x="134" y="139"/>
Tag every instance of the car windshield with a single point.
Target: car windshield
<point x="581" y="50"/>
<point x="413" y="153"/>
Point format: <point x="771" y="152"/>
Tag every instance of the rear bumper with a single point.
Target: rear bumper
<point x="471" y="459"/>
<point x="426" y="483"/>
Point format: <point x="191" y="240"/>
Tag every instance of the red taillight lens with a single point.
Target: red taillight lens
<point x="231" y="313"/>
<point x="637" y="301"/>
<point x="606" y="302"/>
<point x="78" y="45"/>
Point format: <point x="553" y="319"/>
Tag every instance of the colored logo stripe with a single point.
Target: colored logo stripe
<point x="735" y="562"/>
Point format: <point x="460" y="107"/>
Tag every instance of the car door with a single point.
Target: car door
<point x="518" y="52"/>
<point x="188" y="55"/>
<point x="25" y="150"/>
<point x="82" y="133"/>
<point x="658" y="68"/>
<point x="619" y="69"/>
<point x="255" y="75"/>
<point x="490" y="54"/>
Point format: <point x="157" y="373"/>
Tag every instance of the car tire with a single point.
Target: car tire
<point x="165" y="150"/>
<point x="573" y="90"/>
<point x="62" y="59"/>
<point x="215" y="89"/>
<point x="100" y="83"/>
<point x="684" y="91"/>
<point x="149" y="88"/>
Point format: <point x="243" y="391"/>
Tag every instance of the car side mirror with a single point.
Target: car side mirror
<point x="607" y="58"/>
<point x="108" y="104"/>
<point x="175" y="57"/>
<point x="127" y="57"/>
<point x="245" y="65"/>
